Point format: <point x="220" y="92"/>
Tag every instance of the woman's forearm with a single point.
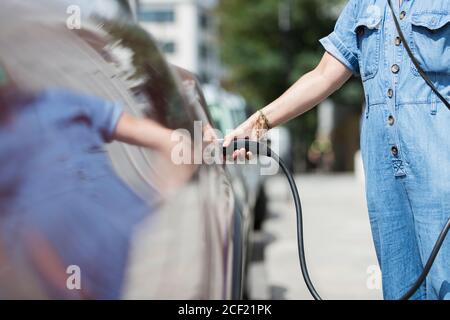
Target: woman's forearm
<point x="142" y="132"/>
<point x="308" y="91"/>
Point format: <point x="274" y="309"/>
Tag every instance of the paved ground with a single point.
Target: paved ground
<point x="340" y="252"/>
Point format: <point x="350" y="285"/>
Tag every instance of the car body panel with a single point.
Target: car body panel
<point x="186" y="249"/>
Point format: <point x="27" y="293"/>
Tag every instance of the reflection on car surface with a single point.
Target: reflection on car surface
<point x="193" y="244"/>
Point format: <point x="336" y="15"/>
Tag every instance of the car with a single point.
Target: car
<point x="193" y="244"/>
<point x="228" y="111"/>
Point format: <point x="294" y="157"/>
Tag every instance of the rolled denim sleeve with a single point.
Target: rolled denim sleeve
<point x="342" y="42"/>
<point x="105" y="116"/>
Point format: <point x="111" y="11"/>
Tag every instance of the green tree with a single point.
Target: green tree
<point x="266" y="45"/>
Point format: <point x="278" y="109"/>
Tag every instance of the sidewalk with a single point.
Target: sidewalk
<point x="339" y="248"/>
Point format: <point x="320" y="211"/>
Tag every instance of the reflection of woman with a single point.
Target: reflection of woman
<point x="405" y="141"/>
<point x="59" y="196"/>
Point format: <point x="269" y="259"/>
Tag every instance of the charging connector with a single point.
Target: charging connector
<point x="256" y="148"/>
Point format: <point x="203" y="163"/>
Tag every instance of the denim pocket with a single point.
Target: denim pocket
<point x="368" y="34"/>
<point x="430" y="41"/>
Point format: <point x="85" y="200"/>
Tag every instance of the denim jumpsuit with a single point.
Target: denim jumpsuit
<point x="405" y="134"/>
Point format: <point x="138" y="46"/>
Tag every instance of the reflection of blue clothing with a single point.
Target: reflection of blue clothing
<point x="405" y="139"/>
<point x="65" y="188"/>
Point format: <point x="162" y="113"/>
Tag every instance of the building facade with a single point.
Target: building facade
<point x="185" y="30"/>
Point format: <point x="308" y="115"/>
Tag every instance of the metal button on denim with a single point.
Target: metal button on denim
<point x="395" y="68"/>
<point x="394" y="151"/>
<point x="391" y="120"/>
<point x="402" y="15"/>
<point x="390" y="93"/>
<point x="398" y="41"/>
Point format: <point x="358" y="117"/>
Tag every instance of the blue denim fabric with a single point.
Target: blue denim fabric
<point x="408" y="192"/>
<point x="60" y="187"/>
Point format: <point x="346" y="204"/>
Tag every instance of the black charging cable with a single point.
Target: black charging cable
<point x="261" y="149"/>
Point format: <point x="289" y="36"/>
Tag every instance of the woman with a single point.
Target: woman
<point x="404" y="139"/>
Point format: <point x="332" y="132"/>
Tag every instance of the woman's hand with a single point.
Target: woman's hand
<point x="254" y="128"/>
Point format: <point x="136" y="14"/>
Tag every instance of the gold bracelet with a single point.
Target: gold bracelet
<point x="265" y="120"/>
<point x="262" y="125"/>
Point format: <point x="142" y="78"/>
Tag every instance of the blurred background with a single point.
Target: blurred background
<point x="246" y="53"/>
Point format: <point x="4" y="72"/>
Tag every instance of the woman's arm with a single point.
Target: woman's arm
<point x="149" y="134"/>
<point x="142" y="132"/>
<point x="306" y="93"/>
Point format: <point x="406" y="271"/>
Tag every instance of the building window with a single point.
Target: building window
<point x="203" y="51"/>
<point x="203" y="20"/>
<point x="168" y="47"/>
<point x="203" y="77"/>
<point x="156" y="15"/>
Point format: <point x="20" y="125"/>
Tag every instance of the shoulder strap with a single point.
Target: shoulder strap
<point x="414" y="60"/>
